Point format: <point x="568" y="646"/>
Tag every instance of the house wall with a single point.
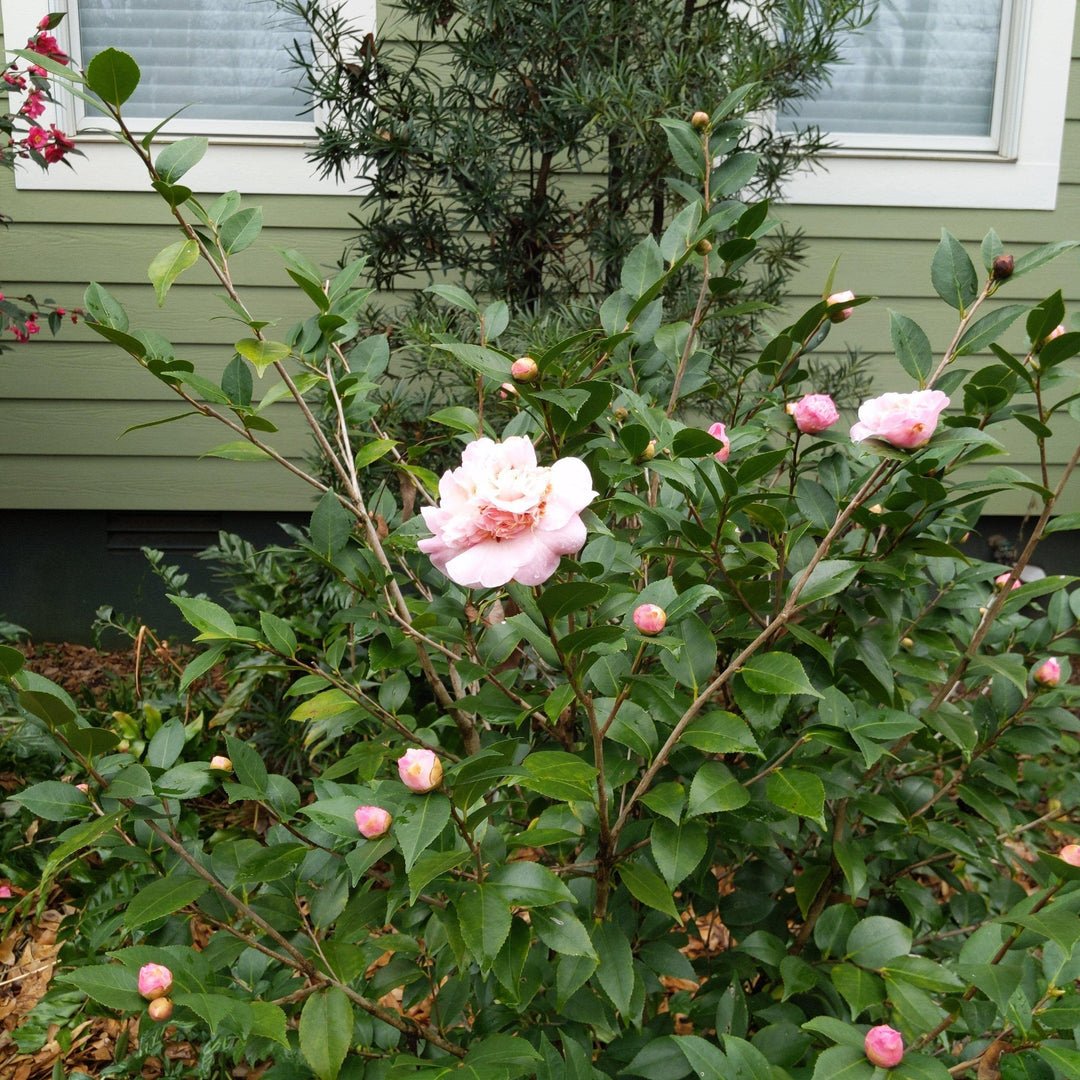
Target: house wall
<point x="64" y="402"/>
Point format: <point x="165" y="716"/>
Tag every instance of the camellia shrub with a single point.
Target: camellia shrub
<point x="669" y="745"/>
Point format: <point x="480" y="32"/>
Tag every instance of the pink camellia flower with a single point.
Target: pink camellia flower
<point x="1001" y="580"/>
<point x="58" y="147"/>
<point x="718" y="431"/>
<point x="524" y="369"/>
<point x="84" y="788"/>
<point x="840" y="298"/>
<point x="1048" y="673"/>
<point x="221" y="763"/>
<point x="160" y="1009"/>
<point x="650" y="618"/>
<point x="905" y="421"/>
<point x="420" y="770"/>
<point x="372" y="821"/>
<point x="814" y="413"/>
<point x="13" y="78"/>
<point x="884" y="1046"/>
<point x="33" y="106"/>
<point x="501" y="517"/>
<point x="1070" y="853"/>
<point x="155" y="981"/>
<point x="47" y="45"/>
<point x="37" y="138"/>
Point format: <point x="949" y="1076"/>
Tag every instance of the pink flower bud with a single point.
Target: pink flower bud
<point x="155" y="981"/>
<point x="840" y="298"/>
<point x="1055" y="333"/>
<point x="221" y="762"/>
<point x="507" y="390"/>
<point x="700" y="120"/>
<point x="1048" y="673"/>
<point x="84" y="788"/>
<point x="814" y="413"/>
<point x="5" y="892"/>
<point x="1070" y="853"/>
<point x="373" y="821"/>
<point x="524" y="369"/>
<point x="44" y="23"/>
<point x="718" y="431"/>
<point x="884" y="1046"/>
<point x="650" y="618"/>
<point x="160" y="1009"/>
<point x="1001" y="579"/>
<point x="420" y="770"/>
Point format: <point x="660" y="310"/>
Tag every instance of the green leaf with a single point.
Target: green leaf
<point x="562" y="599"/>
<point x="113" y="76"/>
<point x="217" y="1009"/>
<point x="484" y="917"/>
<point x="1055" y="923"/>
<point x="111" y="985"/>
<point x="987" y="329"/>
<point x="776" y="673"/>
<point x="11" y="660"/>
<point x="648" y="887"/>
<point x="272" y="863"/>
<point x="661" y="1059"/>
<point x="560" y="929"/>
<point x="178" y="157"/>
<point x="326" y="1027"/>
<point x="558" y="775"/>
<point x="240" y="230"/>
<point x="733" y="173"/>
<point x="166" y="744"/>
<point x="714" y="790"/>
<point x="104" y="308"/>
<point x="685" y="146"/>
<point x="706" y="1060"/>
<point x="278" y="633"/>
<point x="1041" y="255"/>
<point x="131" y="782"/>
<point x="455" y="295"/>
<point x="860" y="989"/>
<point x="720" y="732"/>
<point x="161" y="898"/>
<point x="419" y="828"/>
<point x="843" y="1063"/>
<point x="877" y="940"/>
<point x="678" y="849"/>
<point x="952" y="274"/>
<point x="210" y="619"/>
<point x="912" y="347"/>
<point x="644" y="266"/>
<point x="829" y="577"/>
<point x="616" y="971"/>
<point x="528" y="884"/>
<point x="53" y="800"/>
<point x="799" y="791"/>
<point x="262" y="353"/>
<point x="331" y="526"/>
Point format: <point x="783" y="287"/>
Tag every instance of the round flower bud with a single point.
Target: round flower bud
<point x="1001" y="580"/>
<point x="155" y="981"/>
<point x="1002" y="268"/>
<point x="1070" y="853"/>
<point x="524" y="369"/>
<point x="420" y="770"/>
<point x="907" y="643"/>
<point x="840" y="298"/>
<point x="650" y="618"/>
<point x="372" y="821"/>
<point x="160" y="1009"/>
<point x="884" y="1046"/>
<point x="703" y="246"/>
<point x="814" y="413"/>
<point x="620" y="413"/>
<point x="1048" y="673"/>
<point x="700" y="120"/>
<point x="221" y="763"/>
<point x="649" y="452"/>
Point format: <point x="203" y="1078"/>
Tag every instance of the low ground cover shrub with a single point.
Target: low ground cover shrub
<point x="669" y="745"/>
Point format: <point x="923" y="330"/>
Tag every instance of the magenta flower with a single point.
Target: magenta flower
<point x="155" y="981"/>
<point x="420" y="770"/>
<point x="501" y="517"/>
<point x="840" y="298"/>
<point x="718" y="431"/>
<point x="650" y="618"/>
<point x="884" y="1046"/>
<point x="814" y="413"/>
<point x="372" y="821"/>
<point x="1048" y="673"/>
<point x="37" y="138"/>
<point x="33" y="106"/>
<point x="905" y="421"/>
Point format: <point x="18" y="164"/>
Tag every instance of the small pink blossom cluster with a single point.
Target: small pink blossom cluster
<point x="25" y="324"/>
<point x="421" y="771"/>
<point x="49" y="145"/>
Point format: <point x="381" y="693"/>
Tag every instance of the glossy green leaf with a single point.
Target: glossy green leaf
<point x="112" y="75"/>
<point x="178" y="157"/>
<point x="877" y="940"/>
<point x="262" y="353"/>
<point x="797" y="790"/>
<point x="418" y="829"/>
<point x="161" y="898"/>
<point x="53" y="800"/>
<point x="326" y="1027"/>
<point x="678" y="849"/>
<point x="776" y="673"/>
<point x="648" y="887"/>
<point x="952" y="274"/>
<point x="714" y="790"/>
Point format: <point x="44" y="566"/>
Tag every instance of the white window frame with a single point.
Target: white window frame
<point x="1019" y="173"/>
<point x="257" y="159"/>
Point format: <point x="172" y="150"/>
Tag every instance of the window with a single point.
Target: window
<point x="959" y="104"/>
<point x="228" y="57"/>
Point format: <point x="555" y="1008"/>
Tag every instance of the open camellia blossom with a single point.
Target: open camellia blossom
<point x="905" y="421"/>
<point x="501" y="517"/>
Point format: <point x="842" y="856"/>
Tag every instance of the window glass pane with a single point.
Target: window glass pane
<point x="229" y="57"/>
<point x="922" y="67"/>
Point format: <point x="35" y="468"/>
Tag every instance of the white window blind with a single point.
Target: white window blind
<point x="921" y="68"/>
<point x="227" y="57"/>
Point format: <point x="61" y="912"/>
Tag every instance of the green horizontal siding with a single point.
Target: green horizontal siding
<point x="65" y="402"/>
